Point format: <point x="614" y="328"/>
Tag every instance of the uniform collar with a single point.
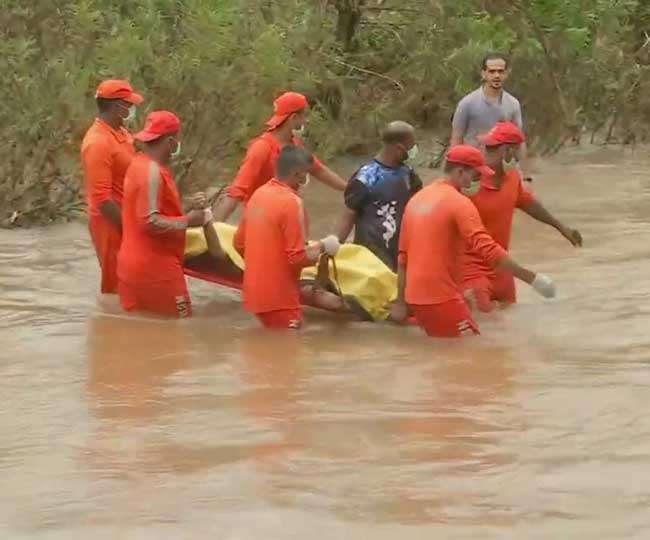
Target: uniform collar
<point x="486" y="181"/>
<point x="277" y="182"/>
<point x="447" y="182"/>
<point x="121" y="134"/>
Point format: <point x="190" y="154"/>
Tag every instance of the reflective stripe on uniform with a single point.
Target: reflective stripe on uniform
<point x="154" y="187"/>
<point x="154" y="213"/>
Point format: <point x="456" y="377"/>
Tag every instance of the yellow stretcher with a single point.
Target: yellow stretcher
<point x="356" y="271"/>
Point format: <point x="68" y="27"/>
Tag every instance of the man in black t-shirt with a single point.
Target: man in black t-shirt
<point x="377" y="193"/>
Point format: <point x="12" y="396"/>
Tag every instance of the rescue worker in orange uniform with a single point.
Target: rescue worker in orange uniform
<point x="150" y="261"/>
<point x="439" y="221"/>
<point x="496" y="197"/>
<point x="271" y="238"/>
<point x="283" y="128"/>
<point x="106" y="153"/>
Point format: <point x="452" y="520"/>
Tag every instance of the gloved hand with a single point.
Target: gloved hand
<point x="331" y="245"/>
<point x="544" y="285"/>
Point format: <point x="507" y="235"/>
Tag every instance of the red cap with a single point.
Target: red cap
<point x="116" y="89"/>
<point x="286" y="105"/>
<point x="158" y="124"/>
<point x="503" y="133"/>
<point x="463" y="154"/>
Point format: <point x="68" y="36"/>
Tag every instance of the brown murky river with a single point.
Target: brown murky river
<point x="117" y="427"/>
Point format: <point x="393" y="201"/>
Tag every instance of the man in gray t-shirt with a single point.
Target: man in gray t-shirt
<point x="479" y="111"/>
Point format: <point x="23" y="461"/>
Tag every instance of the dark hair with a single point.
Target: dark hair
<point x="292" y="159"/>
<point x="494" y="56"/>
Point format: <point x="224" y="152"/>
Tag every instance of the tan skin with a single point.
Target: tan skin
<point x="199" y="201"/>
<point x="493" y="77"/>
<point x="114" y="116"/>
<point x="390" y="155"/>
<point x="226" y="205"/>
<point x="494" y="157"/>
<point x="461" y="178"/>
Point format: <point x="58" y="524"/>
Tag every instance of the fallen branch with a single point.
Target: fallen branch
<point x="397" y="84"/>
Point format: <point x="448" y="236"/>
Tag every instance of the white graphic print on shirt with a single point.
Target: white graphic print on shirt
<point x="388" y="211"/>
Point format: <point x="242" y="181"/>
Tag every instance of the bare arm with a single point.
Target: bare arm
<point x="399" y="310"/>
<point x="346" y="224"/>
<point x="507" y="263"/>
<point x="538" y="212"/>
<point x="224" y="208"/>
<point x="459" y="124"/>
<point x="211" y="238"/>
<point x="328" y="177"/>
<point x="401" y="283"/>
<point x="456" y="137"/>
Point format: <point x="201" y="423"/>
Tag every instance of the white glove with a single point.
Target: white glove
<point x="544" y="285"/>
<point x="331" y="245"/>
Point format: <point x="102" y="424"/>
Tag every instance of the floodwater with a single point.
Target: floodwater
<point x="119" y="427"/>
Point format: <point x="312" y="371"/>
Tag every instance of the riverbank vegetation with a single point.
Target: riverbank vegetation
<point x="580" y="68"/>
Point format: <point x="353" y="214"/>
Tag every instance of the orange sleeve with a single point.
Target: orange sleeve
<point x="524" y="197"/>
<point x="293" y="231"/>
<point x="317" y="165"/>
<point x="252" y="168"/>
<point x="148" y="204"/>
<point x="239" y="241"/>
<point x="473" y="232"/>
<point x="98" y="166"/>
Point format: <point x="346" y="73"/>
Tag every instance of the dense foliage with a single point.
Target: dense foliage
<point x="579" y="66"/>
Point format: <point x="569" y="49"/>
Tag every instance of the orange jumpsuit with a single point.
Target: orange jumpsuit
<point x="258" y="166"/>
<point x="271" y="238"/>
<point x="438" y="222"/>
<point x="105" y="154"/>
<point x="150" y="262"/>
<point x="496" y="206"/>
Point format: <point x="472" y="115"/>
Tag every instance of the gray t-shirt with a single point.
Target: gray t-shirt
<point x="476" y="115"/>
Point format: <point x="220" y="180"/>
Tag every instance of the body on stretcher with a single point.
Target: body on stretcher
<point x="359" y="273"/>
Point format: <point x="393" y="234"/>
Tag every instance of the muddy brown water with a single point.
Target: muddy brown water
<point x="114" y="426"/>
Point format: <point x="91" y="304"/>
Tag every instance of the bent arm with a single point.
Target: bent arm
<point x="356" y="197"/>
<point x="98" y="163"/>
<point x="401" y="279"/>
<point x="225" y="207"/>
<point x="345" y="224"/>
<point x="148" y="206"/>
<point x="509" y="264"/>
<point x="249" y="177"/>
<point x="239" y="241"/>
<point x="459" y="124"/>
<point x="328" y="177"/>
<point x="537" y="211"/>
<point x="212" y="239"/>
<point x="293" y="229"/>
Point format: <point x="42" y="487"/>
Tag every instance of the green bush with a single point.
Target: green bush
<point x="219" y="64"/>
